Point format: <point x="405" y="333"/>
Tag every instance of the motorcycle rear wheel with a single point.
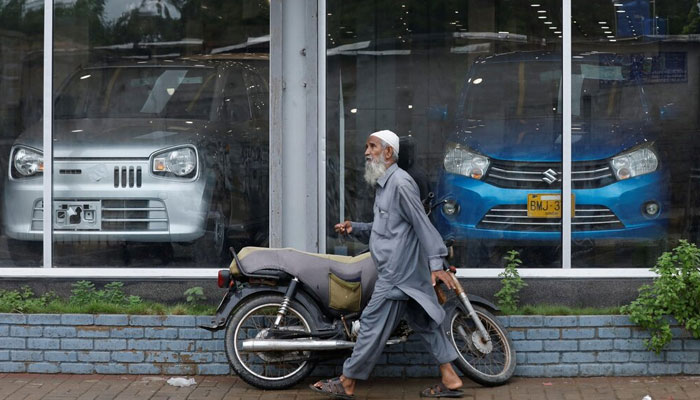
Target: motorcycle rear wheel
<point x="267" y="370"/>
<point x="487" y="364"/>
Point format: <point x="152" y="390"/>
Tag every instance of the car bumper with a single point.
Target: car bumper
<point x="612" y="212"/>
<point x="157" y="210"/>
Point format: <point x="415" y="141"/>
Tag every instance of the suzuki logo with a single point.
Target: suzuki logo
<point x="550" y="176"/>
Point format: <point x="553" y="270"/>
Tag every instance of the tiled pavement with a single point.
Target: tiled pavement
<point x="104" y="387"/>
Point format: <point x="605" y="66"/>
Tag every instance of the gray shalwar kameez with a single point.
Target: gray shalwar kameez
<point x="403" y="243"/>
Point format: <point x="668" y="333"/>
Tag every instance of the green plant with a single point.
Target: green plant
<point x="511" y="282"/>
<point x="558" y="309"/>
<point x="23" y="300"/>
<point x="195" y="295"/>
<point x="675" y="292"/>
<point x="84" y="293"/>
<point x="88" y="300"/>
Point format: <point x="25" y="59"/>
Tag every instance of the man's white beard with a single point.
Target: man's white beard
<point x="374" y="169"/>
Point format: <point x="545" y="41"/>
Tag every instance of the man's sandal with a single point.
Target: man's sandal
<point x="440" y="390"/>
<point x="333" y="388"/>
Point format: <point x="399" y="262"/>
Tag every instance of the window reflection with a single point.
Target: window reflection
<point x="160" y="134"/>
<point x="646" y="77"/>
<point x="21" y="68"/>
<point x="472" y="87"/>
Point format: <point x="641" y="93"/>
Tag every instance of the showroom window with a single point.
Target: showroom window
<point x="504" y="123"/>
<point x="474" y="90"/>
<point x="158" y="136"/>
<point x="563" y="129"/>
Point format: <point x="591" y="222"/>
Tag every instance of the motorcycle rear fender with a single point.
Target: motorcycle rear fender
<point x="237" y="296"/>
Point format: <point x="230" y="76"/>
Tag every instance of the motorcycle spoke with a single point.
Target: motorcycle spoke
<point x="270" y="365"/>
<point x="491" y="363"/>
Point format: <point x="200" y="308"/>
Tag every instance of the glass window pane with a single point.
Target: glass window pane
<point x="635" y="123"/>
<point x="474" y="90"/>
<point x="22" y="68"/>
<point x="160" y="132"/>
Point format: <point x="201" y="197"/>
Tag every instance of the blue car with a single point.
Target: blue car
<point x="502" y="171"/>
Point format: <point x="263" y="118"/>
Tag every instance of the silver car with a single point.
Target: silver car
<point x="170" y="151"/>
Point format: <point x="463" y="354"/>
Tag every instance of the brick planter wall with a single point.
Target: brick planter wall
<point x="110" y="344"/>
<point x="173" y="345"/>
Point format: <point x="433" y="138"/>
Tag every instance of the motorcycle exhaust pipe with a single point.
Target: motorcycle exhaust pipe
<point x="294" y="345"/>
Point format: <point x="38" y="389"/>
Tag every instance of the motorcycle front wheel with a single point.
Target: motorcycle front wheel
<point x="268" y="370"/>
<point x="489" y="363"/>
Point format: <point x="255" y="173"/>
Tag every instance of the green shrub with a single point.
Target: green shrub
<point x="84" y="293"/>
<point x="511" y="282"/>
<point x="23" y="300"/>
<point x="675" y="292"/>
<point x="86" y="299"/>
<point x="194" y="295"/>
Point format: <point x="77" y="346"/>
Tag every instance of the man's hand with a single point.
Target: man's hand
<point x="444" y="277"/>
<point x="344" y="228"/>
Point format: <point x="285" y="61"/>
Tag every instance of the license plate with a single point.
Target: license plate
<point x="546" y="205"/>
<point x="77" y="215"/>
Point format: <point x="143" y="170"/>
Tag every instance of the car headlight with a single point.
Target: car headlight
<point x="459" y="160"/>
<point x="181" y="162"/>
<point x="637" y="162"/>
<point x="26" y="162"/>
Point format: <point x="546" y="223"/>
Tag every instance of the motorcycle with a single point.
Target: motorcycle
<point x="284" y="310"/>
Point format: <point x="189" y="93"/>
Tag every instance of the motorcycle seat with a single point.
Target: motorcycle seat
<point x="312" y="269"/>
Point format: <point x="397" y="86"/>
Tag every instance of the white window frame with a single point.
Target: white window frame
<point x="276" y="17"/>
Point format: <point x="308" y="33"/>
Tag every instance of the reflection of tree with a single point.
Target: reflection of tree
<point x="81" y="15"/>
<point x="15" y="16"/>
<point x="693" y="22"/>
<point x="681" y="16"/>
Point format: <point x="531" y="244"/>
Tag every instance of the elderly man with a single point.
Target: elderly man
<point x="408" y="252"/>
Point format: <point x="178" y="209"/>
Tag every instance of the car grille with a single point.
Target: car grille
<point x="134" y="215"/>
<point x="127" y="177"/>
<point x="514" y="218"/>
<point x="38" y="216"/>
<point x="538" y="175"/>
<point x="118" y="215"/>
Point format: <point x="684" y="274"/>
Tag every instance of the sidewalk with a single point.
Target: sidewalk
<point x="128" y="387"/>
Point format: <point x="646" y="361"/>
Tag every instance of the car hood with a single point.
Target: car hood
<point x="541" y="140"/>
<point x="110" y="138"/>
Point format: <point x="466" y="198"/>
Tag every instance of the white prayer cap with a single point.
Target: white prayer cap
<point x="389" y="137"/>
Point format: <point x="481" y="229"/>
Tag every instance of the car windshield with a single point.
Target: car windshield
<point x="532" y="90"/>
<point x="134" y="92"/>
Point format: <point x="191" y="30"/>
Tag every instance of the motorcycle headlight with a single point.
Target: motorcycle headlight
<point x="637" y="162"/>
<point x="181" y="162"/>
<point x="459" y="160"/>
<point x="26" y="162"/>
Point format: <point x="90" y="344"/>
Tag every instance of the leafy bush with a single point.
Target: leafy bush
<point x="194" y="295"/>
<point x="675" y="292"/>
<point x="84" y="293"/>
<point x="508" y="296"/>
<point x="23" y="300"/>
<point x="86" y="299"/>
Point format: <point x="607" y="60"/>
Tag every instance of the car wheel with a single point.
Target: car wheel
<point x="211" y="247"/>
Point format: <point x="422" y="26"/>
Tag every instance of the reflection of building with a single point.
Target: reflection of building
<point x="637" y="18"/>
<point x="158" y="8"/>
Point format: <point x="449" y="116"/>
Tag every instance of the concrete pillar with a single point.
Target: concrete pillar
<point x="294" y="134"/>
